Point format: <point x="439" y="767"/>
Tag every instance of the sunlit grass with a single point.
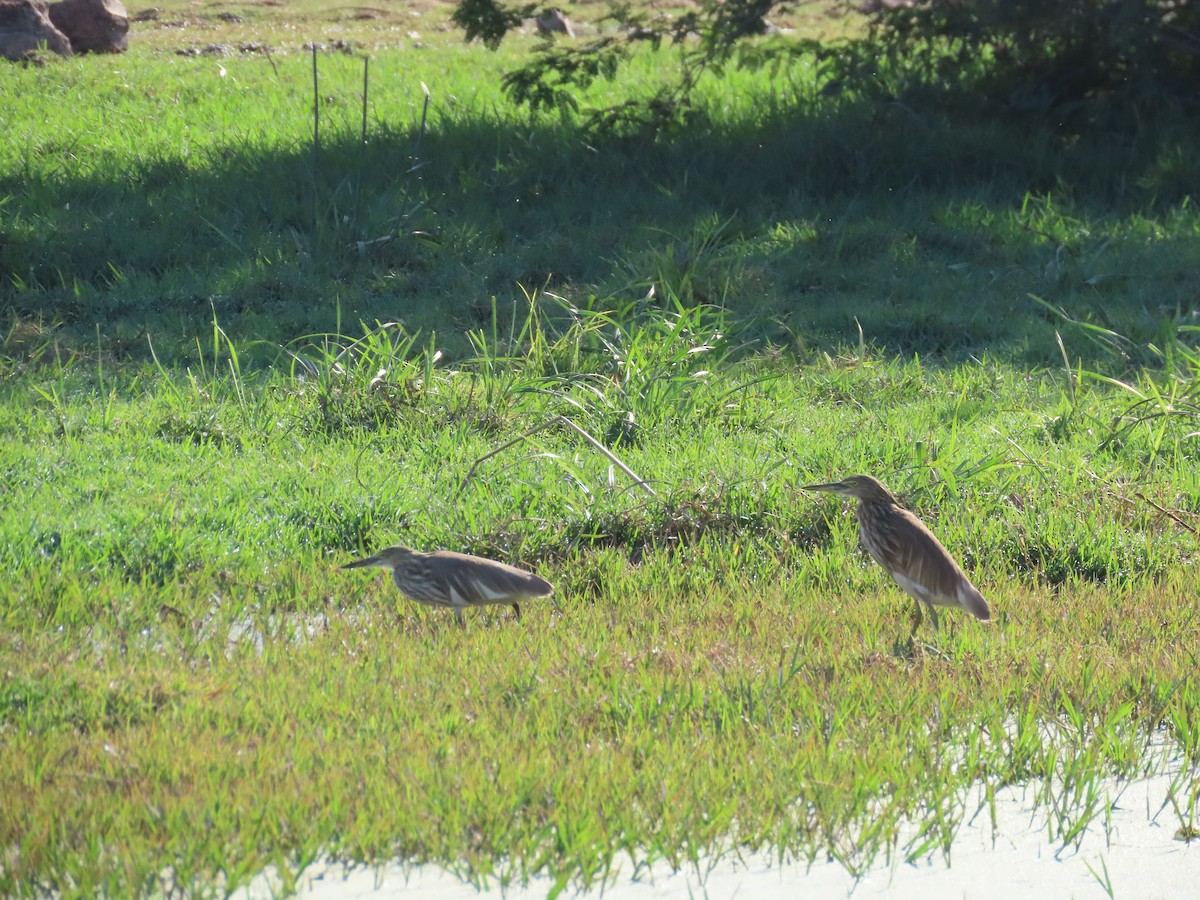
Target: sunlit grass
<point x="190" y="677"/>
<point x="225" y="370"/>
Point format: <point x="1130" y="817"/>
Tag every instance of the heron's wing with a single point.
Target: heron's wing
<point x="923" y="567"/>
<point x="478" y="580"/>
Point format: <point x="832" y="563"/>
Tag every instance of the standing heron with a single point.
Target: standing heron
<point x="456" y="580"/>
<point x="908" y="551"/>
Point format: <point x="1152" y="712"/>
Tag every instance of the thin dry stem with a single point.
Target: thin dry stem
<point x="561" y="420"/>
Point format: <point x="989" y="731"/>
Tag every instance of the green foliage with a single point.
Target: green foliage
<point x="556" y="74"/>
<point x="489" y="20"/>
<point x="1029" y="56"/>
<point x="1035" y="55"/>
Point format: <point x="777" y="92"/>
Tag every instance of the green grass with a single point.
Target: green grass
<point x="210" y="397"/>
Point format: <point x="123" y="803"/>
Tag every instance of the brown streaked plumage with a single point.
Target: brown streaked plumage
<point x="907" y="550"/>
<point x="456" y="580"/>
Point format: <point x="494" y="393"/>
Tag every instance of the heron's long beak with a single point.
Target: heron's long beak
<point x="360" y="563"/>
<point x="835" y="487"/>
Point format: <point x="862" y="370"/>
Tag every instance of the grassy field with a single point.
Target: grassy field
<point x="229" y="364"/>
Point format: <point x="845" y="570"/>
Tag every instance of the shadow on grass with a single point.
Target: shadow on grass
<point x="929" y="228"/>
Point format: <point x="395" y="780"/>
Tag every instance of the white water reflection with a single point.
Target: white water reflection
<point x="1133" y="847"/>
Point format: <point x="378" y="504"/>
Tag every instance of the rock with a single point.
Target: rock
<point x="92" y="26"/>
<point x="24" y="25"/>
<point x="554" y="21"/>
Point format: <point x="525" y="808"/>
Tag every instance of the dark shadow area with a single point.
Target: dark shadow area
<point x="928" y="225"/>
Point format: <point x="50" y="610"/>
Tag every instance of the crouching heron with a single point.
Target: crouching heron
<point x="456" y="580"/>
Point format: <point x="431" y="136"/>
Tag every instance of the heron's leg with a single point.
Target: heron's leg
<point x="461" y="621"/>
<point x="517" y="611"/>
<point x="933" y="615"/>
<point x="916" y="619"/>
